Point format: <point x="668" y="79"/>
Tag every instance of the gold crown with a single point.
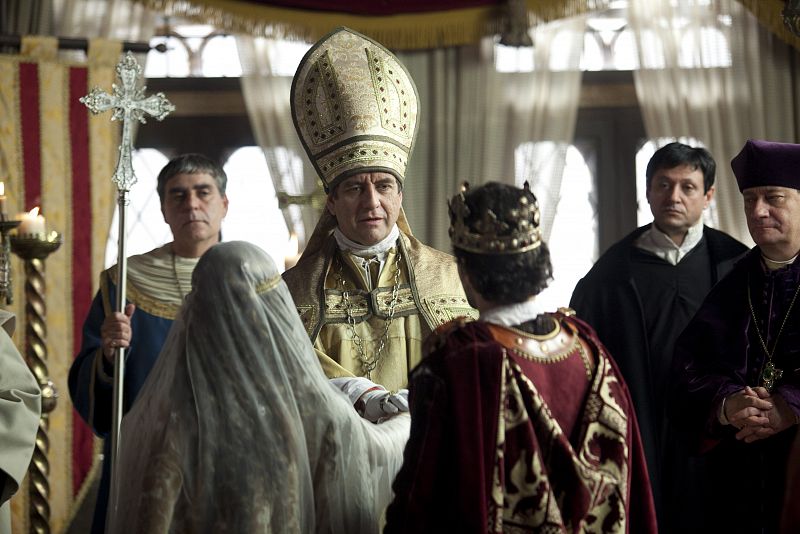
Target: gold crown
<point x="513" y="232"/>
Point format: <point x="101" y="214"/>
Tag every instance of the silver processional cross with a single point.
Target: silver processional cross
<point x="129" y="104"/>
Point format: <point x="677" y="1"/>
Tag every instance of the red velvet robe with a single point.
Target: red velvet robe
<point x="501" y="442"/>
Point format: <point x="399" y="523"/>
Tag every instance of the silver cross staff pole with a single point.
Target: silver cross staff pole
<point x="128" y="104"/>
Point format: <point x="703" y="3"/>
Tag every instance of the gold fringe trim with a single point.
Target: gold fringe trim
<point x="768" y="13"/>
<point x="453" y="27"/>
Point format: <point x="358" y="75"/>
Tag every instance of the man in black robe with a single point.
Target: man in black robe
<point x="737" y="364"/>
<point x="641" y="294"/>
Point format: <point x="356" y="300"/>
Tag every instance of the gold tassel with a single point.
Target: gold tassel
<point x="398" y="32"/>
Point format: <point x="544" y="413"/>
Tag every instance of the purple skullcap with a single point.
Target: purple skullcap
<point x="762" y="163"/>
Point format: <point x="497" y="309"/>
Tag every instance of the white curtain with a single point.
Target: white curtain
<point x="124" y="20"/>
<point x="709" y="71"/>
<point x="473" y="120"/>
<point x="266" y="94"/>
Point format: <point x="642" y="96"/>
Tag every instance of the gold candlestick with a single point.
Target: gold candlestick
<point x="34" y="249"/>
<point x="6" y="290"/>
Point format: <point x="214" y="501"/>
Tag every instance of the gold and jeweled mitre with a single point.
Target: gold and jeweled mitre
<point x="355" y="107"/>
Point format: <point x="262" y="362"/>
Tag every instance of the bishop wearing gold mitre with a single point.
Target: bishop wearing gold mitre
<point x="367" y="291"/>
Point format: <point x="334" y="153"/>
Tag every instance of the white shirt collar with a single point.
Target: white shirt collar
<point x="513" y="314"/>
<point x="379" y="249"/>
<point x="657" y="242"/>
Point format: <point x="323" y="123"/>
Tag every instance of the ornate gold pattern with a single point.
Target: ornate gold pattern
<point x="392" y="99"/>
<point x="445" y="308"/>
<point x="513" y="232"/>
<point x="370" y="363"/>
<point x="358" y="154"/>
<point x="432" y="275"/>
<point x="324" y="115"/>
<point x="364" y="305"/>
<point x="355" y="107"/>
<point x="528" y="500"/>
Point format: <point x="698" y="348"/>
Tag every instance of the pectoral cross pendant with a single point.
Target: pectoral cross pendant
<point x="769" y="375"/>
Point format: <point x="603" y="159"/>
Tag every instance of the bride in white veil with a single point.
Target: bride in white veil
<point x="238" y="430"/>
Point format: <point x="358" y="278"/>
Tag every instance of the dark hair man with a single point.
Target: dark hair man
<point x="192" y="192"/>
<point x="367" y="290"/>
<point x="520" y="421"/>
<point x="640" y="295"/>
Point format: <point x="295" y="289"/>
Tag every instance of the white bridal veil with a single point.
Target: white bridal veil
<point x="238" y="430"/>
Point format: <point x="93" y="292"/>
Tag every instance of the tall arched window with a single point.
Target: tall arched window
<point x="573" y="241"/>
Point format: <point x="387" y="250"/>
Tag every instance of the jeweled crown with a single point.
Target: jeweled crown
<point x="513" y="232"/>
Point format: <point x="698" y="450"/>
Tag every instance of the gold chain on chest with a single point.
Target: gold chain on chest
<point x="770" y="373"/>
<point x="369" y="364"/>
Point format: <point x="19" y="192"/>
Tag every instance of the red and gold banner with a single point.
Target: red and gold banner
<point x="54" y="155"/>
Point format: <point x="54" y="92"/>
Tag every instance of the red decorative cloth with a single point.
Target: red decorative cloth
<point x="502" y="441"/>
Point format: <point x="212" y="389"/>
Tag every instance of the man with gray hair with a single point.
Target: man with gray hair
<point x="737" y="363"/>
<point x="193" y="201"/>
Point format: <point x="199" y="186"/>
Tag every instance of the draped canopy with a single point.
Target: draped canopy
<point x="407" y="25"/>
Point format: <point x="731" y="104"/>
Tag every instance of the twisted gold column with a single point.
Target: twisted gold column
<point x="36" y="356"/>
<point x="34" y="250"/>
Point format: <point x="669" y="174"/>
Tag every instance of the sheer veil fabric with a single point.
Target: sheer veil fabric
<point x="237" y="429"/>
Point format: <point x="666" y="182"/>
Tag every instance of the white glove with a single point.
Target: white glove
<point x="372" y="401"/>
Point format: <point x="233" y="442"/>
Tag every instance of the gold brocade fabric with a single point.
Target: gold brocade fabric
<point x="404" y="344"/>
<point x="355" y="107"/>
<point x="524" y="490"/>
<point x="430" y="294"/>
<point x="154" y="283"/>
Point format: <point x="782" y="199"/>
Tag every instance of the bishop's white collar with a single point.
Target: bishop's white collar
<point x="513" y="314"/>
<point x="657" y="242"/>
<point x="378" y="250"/>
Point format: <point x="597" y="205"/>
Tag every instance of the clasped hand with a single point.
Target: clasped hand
<point x="757" y="413"/>
<point x="372" y="401"/>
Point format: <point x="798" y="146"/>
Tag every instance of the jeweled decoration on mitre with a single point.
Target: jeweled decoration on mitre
<point x="513" y="232"/>
<point x="355" y="107"/>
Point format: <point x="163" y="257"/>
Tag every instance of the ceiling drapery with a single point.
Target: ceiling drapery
<point x="406" y="25"/>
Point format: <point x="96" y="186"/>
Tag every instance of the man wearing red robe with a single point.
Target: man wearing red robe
<point x="521" y="421"/>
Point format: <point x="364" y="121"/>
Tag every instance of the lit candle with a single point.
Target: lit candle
<point x="32" y="223"/>
<point x="2" y="199"/>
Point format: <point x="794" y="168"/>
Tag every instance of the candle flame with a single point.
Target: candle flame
<point x="2" y="189"/>
<point x="34" y="212"/>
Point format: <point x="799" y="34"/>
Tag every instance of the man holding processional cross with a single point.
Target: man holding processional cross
<point x="191" y="188"/>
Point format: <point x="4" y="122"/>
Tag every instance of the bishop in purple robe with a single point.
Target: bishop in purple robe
<point x="736" y="379"/>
